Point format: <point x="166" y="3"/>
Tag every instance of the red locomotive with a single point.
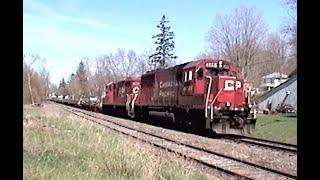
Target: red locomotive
<point x="121" y="97"/>
<point x="206" y="94"/>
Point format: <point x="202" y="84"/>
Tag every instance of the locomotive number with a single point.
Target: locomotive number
<point x="135" y="90"/>
<point x="231" y="85"/>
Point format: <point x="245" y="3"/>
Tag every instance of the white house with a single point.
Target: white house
<point x="271" y="81"/>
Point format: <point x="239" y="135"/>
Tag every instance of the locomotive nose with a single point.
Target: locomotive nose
<point x="232" y="94"/>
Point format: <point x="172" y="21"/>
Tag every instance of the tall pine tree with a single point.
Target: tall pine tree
<point x="165" y="45"/>
<point x="82" y="77"/>
<point x="62" y="88"/>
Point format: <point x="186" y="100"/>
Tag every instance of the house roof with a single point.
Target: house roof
<point x="276" y="89"/>
<point x="275" y="75"/>
<point x="294" y="72"/>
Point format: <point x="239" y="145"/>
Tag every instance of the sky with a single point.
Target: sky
<point x="63" y="31"/>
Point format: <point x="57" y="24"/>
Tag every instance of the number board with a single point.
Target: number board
<point x="211" y="65"/>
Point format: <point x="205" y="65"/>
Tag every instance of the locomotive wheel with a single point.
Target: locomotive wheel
<point x="197" y="120"/>
<point x="180" y="117"/>
<point x="144" y="114"/>
<point x="105" y="109"/>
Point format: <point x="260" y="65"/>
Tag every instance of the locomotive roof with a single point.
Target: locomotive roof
<point x="205" y="60"/>
<point x="125" y="79"/>
<point x="157" y="70"/>
<point x="132" y="78"/>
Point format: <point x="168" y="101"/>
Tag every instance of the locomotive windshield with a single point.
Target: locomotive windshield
<point x="215" y="72"/>
<point x="217" y="68"/>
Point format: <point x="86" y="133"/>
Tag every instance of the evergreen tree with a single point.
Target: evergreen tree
<point x="82" y="77"/>
<point x="72" y="77"/>
<point x="164" y="52"/>
<point x="62" y="88"/>
<point x="81" y="72"/>
<point x="62" y="83"/>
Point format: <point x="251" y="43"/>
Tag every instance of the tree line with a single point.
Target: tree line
<point x="108" y="67"/>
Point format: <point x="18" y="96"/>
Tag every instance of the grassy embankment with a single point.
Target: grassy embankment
<point x="57" y="147"/>
<point x="277" y="128"/>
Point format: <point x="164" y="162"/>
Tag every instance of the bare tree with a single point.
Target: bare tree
<point x="97" y="85"/>
<point x="203" y="55"/>
<point x="237" y="37"/>
<point x="290" y="29"/>
<point x="30" y="63"/>
<point x="143" y="66"/>
<point x="271" y="57"/>
<point x="121" y="64"/>
<point x="106" y="66"/>
<point x="118" y="65"/>
<point x="115" y="63"/>
<point x="103" y="74"/>
<point x="72" y="86"/>
<point x="53" y="88"/>
<point x="131" y="63"/>
<point x="45" y="78"/>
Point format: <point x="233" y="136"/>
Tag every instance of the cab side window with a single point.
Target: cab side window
<point x="200" y="74"/>
<point x="185" y="76"/>
<point x="190" y="75"/>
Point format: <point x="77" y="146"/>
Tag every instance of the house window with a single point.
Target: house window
<point x="267" y="80"/>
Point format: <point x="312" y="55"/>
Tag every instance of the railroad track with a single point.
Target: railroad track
<point x="237" y="168"/>
<point x="264" y="142"/>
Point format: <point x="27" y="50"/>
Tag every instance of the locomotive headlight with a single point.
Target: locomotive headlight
<point x="250" y="105"/>
<point x="217" y="107"/>
<point x="227" y="104"/>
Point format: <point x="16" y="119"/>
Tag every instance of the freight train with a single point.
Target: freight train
<point x="207" y="94"/>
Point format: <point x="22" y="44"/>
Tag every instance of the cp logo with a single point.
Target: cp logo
<point x="231" y="85"/>
<point x="135" y="90"/>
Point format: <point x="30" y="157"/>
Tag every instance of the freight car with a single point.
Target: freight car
<point x="206" y="94"/>
<point x="83" y="103"/>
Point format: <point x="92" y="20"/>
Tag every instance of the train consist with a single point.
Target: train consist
<point x="206" y="94"/>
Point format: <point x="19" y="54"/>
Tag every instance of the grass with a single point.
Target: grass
<point x="278" y="127"/>
<point x="57" y="147"/>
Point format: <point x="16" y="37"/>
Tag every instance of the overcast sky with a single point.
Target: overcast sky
<point x="63" y="31"/>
